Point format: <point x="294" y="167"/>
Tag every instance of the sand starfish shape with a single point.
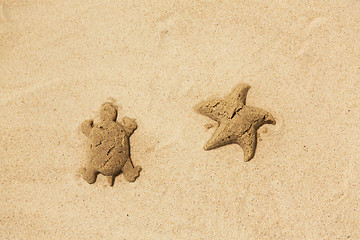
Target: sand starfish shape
<point x="238" y="123"/>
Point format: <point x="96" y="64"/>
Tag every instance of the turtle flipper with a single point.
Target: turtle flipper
<point x="89" y="174"/>
<point x="130" y="172"/>
<point x="129" y="125"/>
<point x="86" y="127"/>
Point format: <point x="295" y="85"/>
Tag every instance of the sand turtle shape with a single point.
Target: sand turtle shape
<point x="109" y="148"/>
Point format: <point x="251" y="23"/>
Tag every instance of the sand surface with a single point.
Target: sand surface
<point x="60" y="60"/>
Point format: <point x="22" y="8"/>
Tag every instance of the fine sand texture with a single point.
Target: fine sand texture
<point x="155" y="60"/>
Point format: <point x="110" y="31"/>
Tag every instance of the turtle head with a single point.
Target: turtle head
<point x="108" y="112"/>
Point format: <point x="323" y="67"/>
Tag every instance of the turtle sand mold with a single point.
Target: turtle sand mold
<point x="109" y="148"/>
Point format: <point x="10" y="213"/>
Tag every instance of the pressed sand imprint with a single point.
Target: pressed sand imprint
<point x="109" y="148"/>
<point x="238" y="123"/>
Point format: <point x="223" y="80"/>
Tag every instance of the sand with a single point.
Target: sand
<point x="60" y="60"/>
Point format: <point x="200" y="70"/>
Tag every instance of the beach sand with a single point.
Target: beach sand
<point x="60" y="60"/>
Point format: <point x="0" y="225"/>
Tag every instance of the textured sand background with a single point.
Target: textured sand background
<point x="60" y="60"/>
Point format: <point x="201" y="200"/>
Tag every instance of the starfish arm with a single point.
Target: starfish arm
<point x="212" y="109"/>
<point x="239" y="94"/>
<point x="248" y="143"/>
<point x="221" y="137"/>
<point x="260" y="117"/>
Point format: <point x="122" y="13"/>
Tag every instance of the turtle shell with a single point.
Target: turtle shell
<point x="109" y="147"/>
